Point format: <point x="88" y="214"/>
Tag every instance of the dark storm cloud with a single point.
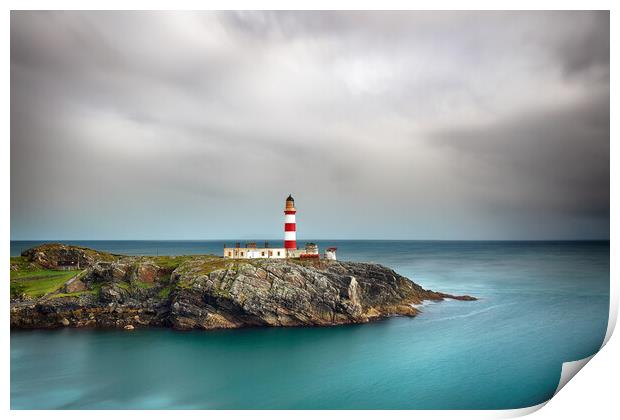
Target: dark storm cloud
<point x="554" y="164"/>
<point x="405" y="124"/>
<point x="589" y="50"/>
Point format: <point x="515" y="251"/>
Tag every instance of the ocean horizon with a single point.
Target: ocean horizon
<point x="152" y="246"/>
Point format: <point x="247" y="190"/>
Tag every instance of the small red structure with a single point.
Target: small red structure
<point x="309" y="256"/>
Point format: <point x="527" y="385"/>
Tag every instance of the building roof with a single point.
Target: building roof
<point x="290" y="198"/>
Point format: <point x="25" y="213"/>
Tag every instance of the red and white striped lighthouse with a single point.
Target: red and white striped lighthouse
<point x="290" y="230"/>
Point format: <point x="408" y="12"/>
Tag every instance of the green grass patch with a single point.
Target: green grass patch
<point x="202" y="266"/>
<point x="165" y="292"/>
<point x="95" y="291"/>
<point x="141" y="284"/>
<point x="37" y="283"/>
<point x="22" y="264"/>
<point x="39" y="273"/>
<point x="213" y="264"/>
<point x="170" y="262"/>
<point x="82" y="293"/>
<point x="124" y="285"/>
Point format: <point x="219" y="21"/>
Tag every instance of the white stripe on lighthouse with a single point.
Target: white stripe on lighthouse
<point x="289" y="236"/>
<point x="289" y="218"/>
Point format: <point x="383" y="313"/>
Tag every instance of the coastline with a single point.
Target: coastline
<point x="209" y="292"/>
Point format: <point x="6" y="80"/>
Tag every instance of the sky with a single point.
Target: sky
<point x="382" y="125"/>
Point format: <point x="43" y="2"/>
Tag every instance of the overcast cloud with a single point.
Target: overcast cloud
<point x="417" y="125"/>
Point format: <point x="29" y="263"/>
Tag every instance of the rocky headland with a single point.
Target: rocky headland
<point x="207" y="292"/>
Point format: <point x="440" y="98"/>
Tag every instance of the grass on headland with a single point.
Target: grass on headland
<point x="73" y="294"/>
<point x="142" y="284"/>
<point x="165" y="292"/>
<point x="171" y="262"/>
<point x="36" y="283"/>
<point x="21" y="264"/>
<point x="94" y="291"/>
<point x="33" y="281"/>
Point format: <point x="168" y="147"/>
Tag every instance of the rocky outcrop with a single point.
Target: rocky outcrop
<point x="211" y="293"/>
<point x="54" y="256"/>
<point x="75" y="285"/>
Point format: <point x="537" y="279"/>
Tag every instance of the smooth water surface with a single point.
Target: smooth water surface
<point x="541" y="304"/>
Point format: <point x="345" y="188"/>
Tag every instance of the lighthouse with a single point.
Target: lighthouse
<point x="309" y="251"/>
<point x="290" y="228"/>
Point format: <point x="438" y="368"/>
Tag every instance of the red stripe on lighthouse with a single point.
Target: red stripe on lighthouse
<point x="290" y="227"/>
<point x="290" y="244"/>
<point x="290" y="211"/>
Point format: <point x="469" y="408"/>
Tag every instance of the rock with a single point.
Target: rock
<point x="111" y="293"/>
<point x="105" y="271"/>
<point x="75" y="285"/>
<point x="53" y="256"/>
<point x="206" y="292"/>
<point x="147" y="273"/>
<point x="129" y="327"/>
<point x="464" y="297"/>
<point x="292" y="295"/>
<point x="124" y="270"/>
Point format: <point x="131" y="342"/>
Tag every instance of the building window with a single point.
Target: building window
<point x="278" y="253"/>
<point x="229" y="253"/>
<point x="262" y="254"/>
<point x="242" y="253"/>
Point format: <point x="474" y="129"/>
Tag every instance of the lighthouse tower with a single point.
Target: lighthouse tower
<point x="290" y="230"/>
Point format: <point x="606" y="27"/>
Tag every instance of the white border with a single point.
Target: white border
<point x="597" y="385"/>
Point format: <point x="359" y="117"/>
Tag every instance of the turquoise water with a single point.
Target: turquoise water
<point x="542" y="303"/>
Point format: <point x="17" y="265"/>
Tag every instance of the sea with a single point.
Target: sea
<point x="540" y="304"/>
